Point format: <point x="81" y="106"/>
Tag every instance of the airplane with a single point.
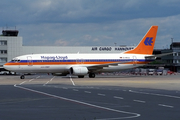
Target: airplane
<point x="83" y="64"/>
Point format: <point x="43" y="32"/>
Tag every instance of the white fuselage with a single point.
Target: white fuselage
<point x="61" y="63"/>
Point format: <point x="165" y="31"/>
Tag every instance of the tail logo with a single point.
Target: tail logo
<point x="148" y="41"/>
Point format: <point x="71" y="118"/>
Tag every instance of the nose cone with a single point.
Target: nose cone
<point x="7" y="66"/>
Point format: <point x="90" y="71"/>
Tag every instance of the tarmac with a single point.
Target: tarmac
<point x="106" y="97"/>
<point x="165" y="82"/>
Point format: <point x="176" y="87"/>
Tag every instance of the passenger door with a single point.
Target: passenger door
<point x="29" y="61"/>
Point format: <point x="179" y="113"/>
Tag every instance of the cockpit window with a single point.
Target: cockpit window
<point x="15" y="60"/>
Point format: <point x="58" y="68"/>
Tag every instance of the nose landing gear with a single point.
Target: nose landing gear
<point x="22" y="76"/>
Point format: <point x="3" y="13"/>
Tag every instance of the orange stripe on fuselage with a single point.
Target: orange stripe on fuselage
<point x="58" y="63"/>
<point x="72" y="63"/>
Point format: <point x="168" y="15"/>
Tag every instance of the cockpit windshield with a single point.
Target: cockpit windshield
<point x="15" y="60"/>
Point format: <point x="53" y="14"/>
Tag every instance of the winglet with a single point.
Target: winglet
<point x="146" y="45"/>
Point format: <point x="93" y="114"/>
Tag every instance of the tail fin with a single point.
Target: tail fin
<point x="146" y="45"/>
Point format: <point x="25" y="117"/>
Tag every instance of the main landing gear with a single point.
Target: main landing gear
<point x="92" y="75"/>
<point x="22" y="76"/>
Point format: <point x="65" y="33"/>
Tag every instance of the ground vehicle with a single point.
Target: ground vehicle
<point x="170" y="72"/>
<point x="150" y="72"/>
<point x="159" y="71"/>
<point x="143" y="71"/>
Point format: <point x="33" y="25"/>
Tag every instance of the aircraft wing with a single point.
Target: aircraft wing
<point x="100" y="66"/>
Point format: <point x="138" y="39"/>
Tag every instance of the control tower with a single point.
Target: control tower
<point x="10" y="33"/>
<point x="10" y="46"/>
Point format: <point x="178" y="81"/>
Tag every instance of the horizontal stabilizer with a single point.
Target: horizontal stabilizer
<point x="159" y="55"/>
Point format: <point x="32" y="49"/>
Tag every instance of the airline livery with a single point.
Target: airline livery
<point x="83" y="64"/>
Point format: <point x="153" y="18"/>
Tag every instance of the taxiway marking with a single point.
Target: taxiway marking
<point x="48" y="81"/>
<point x="132" y="115"/>
<point x="87" y="91"/>
<point x="75" y="90"/>
<point x="101" y="94"/>
<point x="118" y="97"/>
<point x="65" y="88"/>
<point x="140" y="101"/>
<point x="155" y="94"/>
<point x="72" y="80"/>
<point x="31" y="80"/>
<point x="169" y="106"/>
<point x="38" y="77"/>
<point x="22" y="82"/>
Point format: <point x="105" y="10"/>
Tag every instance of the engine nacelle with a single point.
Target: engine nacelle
<point x="79" y="70"/>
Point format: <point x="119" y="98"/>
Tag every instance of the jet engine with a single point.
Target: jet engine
<point x="80" y="71"/>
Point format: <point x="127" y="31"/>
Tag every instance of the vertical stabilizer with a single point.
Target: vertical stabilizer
<point x="146" y="45"/>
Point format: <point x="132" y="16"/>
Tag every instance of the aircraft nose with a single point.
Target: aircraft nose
<point x="6" y="66"/>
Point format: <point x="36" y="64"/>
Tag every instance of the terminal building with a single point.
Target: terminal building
<point x="11" y="45"/>
<point x="172" y="61"/>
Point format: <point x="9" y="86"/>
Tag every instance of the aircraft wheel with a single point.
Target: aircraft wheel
<point x="92" y="75"/>
<point x="22" y="77"/>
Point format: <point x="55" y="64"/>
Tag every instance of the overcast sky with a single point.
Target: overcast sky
<point x="91" y="22"/>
